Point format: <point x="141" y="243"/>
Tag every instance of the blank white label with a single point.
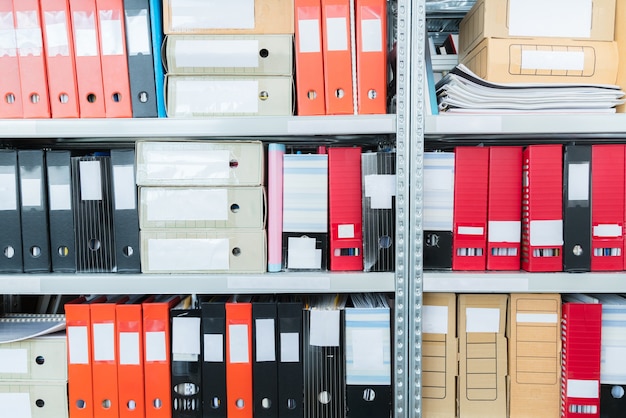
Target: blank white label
<point x="238" y="343"/>
<point x="368" y="349"/>
<point x="129" y="348"/>
<point x="124" y="189"/>
<point x="578" y="182"/>
<point x="90" y="180"/>
<point x="302" y="253"/>
<point x="587" y="389"/>
<point x="184" y="165"/>
<point x="31" y="192"/>
<point x="607" y="230"/>
<point x="138" y="34"/>
<point x="111" y="36"/>
<point x="186" y="335"/>
<point x="78" y="345"/>
<point x="536" y="18"/>
<point x="265" y="340"/>
<point x="482" y="320"/>
<point x="553" y="60"/>
<point x="56" y="37"/>
<point x="371" y="35"/>
<point x="380" y="188"/>
<point x="15" y="405"/>
<point x="337" y="33"/>
<point x="170" y="204"/>
<point x="8" y="192"/>
<point x="216" y="96"/>
<point x="546" y="233"/>
<point x="188" y="254"/>
<point x="324" y="330"/>
<point x="531" y="318"/>
<point x="212" y="14"/>
<point x="216" y="53"/>
<point x="613" y="361"/>
<point x="214" y="348"/>
<point x="155" y="346"/>
<point x="289" y="347"/>
<point x="309" y="35"/>
<point x="60" y="197"/>
<point x="435" y="319"/>
<point x="470" y="230"/>
<point x="104" y="342"/>
<point x="14" y="360"/>
<point x="504" y="231"/>
<point x="345" y="231"/>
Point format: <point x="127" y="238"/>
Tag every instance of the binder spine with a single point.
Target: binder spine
<point x="10" y="214"/>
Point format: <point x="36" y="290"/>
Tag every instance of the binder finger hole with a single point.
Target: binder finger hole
<point x="264" y="95"/>
<point x="157" y="403"/>
<point x="239" y="403"/>
<point x="94" y="244"/>
<point x="617" y="392"/>
<point x="80" y="404"/>
<point x="369" y="395"/>
<point x="291" y="404"/>
<point x="34" y="98"/>
<point x="9" y="98"/>
<point x="234" y="208"/>
<point x="35" y="251"/>
<point x="264" y="53"/>
<point x="40" y="403"/>
<point x="106" y="404"/>
<point x="128" y="251"/>
<point x="64" y="98"/>
<point x="215" y="402"/>
<point x="577" y="250"/>
<point x="339" y="93"/>
<point x="311" y="94"/>
<point x="236" y="251"/>
<point x="266" y="403"/>
<point x="384" y="241"/>
<point x="324" y="397"/>
<point x="143" y="97"/>
<point x="116" y="97"/>
<point x="371" y="94"/>
<point x="91" y="98"/>
<point x="131" y="405"/>
<point x="233" y="163"/>
<point x="63" y="251"/>
<point x="40" y="360"/>
<point x="9" y="251"/>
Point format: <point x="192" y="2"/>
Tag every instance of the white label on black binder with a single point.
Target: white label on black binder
<point x="124" y="189"/>
<point x="345" y="231"/>
<point x="206" y="96"/>
<point x="371" y="35"/>
<point x="60" y="197"/>
<point x="504" y="231"/>
<point x="155" y="346"/>
<point x="482" y="320"/>
<point x="380" y="188"/>
<point x="217" y="53"/>
<point x="238" y="343"/>
<point x="214" y="348"/>
<point x="185" y="335"/>
<point x="212" y="14"/>
<point x="573" y="21"/>
<point x="536" y="318"/>
<point x="586" y="389"/>
<point x="31" y="192"/>
<point x="77" y="345"/>
<point x="324" y="328"/>
<point x="607" y="230"/>
<point x="85" y="37"/>
<point x="15" y="405"/>
<point x="309" y="35"/>
<point x="337" y="33"/>
<point x="265" y="340"/>
<point x="188" y="254"/>
<point x="90" y="180"/>
<point x="367" y="349"/>
<point x="553" y="60"/>
<point x="546" y="233"/>
<point x="104" y="342"/>
<point x="138" y="33"/>
<point x="302" y="253"/>
<point x="435" y="319"/>
<point x="190" y="204"/>
<point x="8" y="192"/>
<point x="578" y="181"/>
<point x="13" y="361"/>
<point x="111" y="33"/>
<point x="129" y="348"/>
<point x="289" y="347"/>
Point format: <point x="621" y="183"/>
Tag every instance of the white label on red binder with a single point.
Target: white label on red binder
<point x="214" y="348"/>
<point x="13" y="361"/>
<point x="546" y="233"/>
<point x="371" y="35"/>
<point x="15" y="405"/>
<point x="289" y="347"/>
<point x="129" y="348"/>
<point x="155" y="346"/>
<point x="553" y="60"/>
<point x="124" y="189"/>
<point x="188" y="254"/>
<point x="8" y="191"/>
<point x="435" y="319"/>
<point x="238" y="343"/>
<point x="104" y="342"/>
<point x="217" y="53"/>
<point x="8" y="43"/>
<point x="85" y="36"/>
<point x="554" y="18"/>
<point x="470" y="230"/>
<point x="212" y="14"/>
<point x="265" y="340"/>
<point x="309" y="36"/>
<point x="607" y="230"/>
<point x="77" y="345"/>
<point x="111" y="33"/>
<point x="186" y="335"/>
<point x="586" y="389"/>
<point x="324" y="328"/>
<point x="205" y="96"/>
<point x="536" y="318"/>
<point x="482" y="320"/>
<point x="380" y="188"/>
<point x="191" y="204"/>
<point x="30" y="191"/>
<point x="368" y="349"/>
<point x="337" y="33"/>
<point x="504" y="231"/>
<point x="345" y="231"/>
<point x="90" y="180"/>
<point x="138" y="33"/>
<point x="28" y="34"/>
<point x="57" y="42"/>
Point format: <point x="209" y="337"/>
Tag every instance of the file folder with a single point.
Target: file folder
<point x="275" y="153"/>
<point x="471" y="184"/>
<point x="186" y="361"/>
<point x="290" y="363"/>
<point x="34" y="359"/>
<point x="31" y="58"/>
<point x="213" y="358"/>
<point x="265" y="358"/>
<point x="10" y="88"/>
<point x="338" y="63"/>
<point x="34" y="207"/>
<point x="542" y="208"/>
<point x="310" y="91"/>
<point x="504" y="227"/>
<point x="125" y="212"/>
<point x="59" y="53"/>
<point x="156" y="355"/>
<point x="156" y="26"/>
<point x="93" y="210"/>
<point x="345" y="209"/>
<point x="577" y="208"/>
<point x="239" y="393"/>
<point x="141" y="63"/>
<point x="580" y="361"/>
<point x="379" y="208"/>
<point x="87" y="58"/>
<point x="371" y="56"/>
<point x="10" y="214"/>
<point x="607" y="207"/>
<point x="34" y="399"/>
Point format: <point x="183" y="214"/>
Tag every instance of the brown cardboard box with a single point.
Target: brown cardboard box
<point x="534" y="335"/>
<point x="522" y="19"/>
<point x="620" y="38"/>
<point x="215" y="17"/>
<point x="439" y="355"/>
<point x="482" y="355"/>
<point x="544" y="61"/>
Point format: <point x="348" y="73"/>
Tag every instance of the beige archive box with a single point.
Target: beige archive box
<point x="229" y="54"/>
<point x="33" y="399"/>
<point x="482" y="355"/>
<point x="190" y="96"/>
<point x="37" y="358"/>
<point x="228" y="17"/>
<point x="620" y="39"/>
<point x="439" y="355"/>
<point x="544" y="61"/>
<point x="534" y="337"/>
<point x="202" y="207"/>
<point x="587" y="20"/>
<point x="200" y="163"/>
<point x="203" y="251"/>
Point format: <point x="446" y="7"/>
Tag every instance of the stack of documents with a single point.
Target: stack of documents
<point x="462" y="91"/>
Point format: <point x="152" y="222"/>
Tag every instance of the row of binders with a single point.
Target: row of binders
<point x="68" y="213"/>
<point x="523" y="355"/>
<point x="228" y="356"/>
<point x="546" y="207"/>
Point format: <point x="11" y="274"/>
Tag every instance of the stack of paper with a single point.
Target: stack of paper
<point x="462" y="91"/>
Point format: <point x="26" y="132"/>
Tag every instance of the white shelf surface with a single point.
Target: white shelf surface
<point x="112" y="283"/>
<point x="198" y="127"/>
<point x="524" y="282"/>
<point x="537" y="123"/>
